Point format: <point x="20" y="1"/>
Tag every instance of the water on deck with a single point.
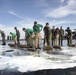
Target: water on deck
<point x="22" y="60"/>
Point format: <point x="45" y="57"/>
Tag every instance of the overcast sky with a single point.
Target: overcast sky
<point x="22" y="13"/>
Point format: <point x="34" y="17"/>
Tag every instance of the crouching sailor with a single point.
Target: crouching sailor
<point x="29" y="37"/>
<point x="14" y="37"/>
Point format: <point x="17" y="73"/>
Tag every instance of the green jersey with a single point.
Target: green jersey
<point x="13" y="35"/>
<point x="36" y="29"/>
<point x="29" y="31"/>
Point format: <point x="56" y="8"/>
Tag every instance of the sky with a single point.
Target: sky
<point x="23" y="13"/>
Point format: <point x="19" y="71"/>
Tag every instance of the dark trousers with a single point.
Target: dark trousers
<point x="3" y="40"/>
<point x="47" y="40"/>
<point x="53" y="41"/>
<point x="69" y="41"/>
<point x="61" y="41"/>
<point x="18" y="37"/>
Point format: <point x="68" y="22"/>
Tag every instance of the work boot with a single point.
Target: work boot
<point x="30" y="47"/>
<point x="39" y="47"/>
<point x="4" y="44"/>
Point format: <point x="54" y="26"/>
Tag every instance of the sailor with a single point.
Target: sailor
<point x="53" y="35"/>
<point x="3" y="37"/>
<point x="37" y="29"/>
<point x="18" y="34"/>
<point x="61" y="37"/>
<point x="57" y="33"/>
<point x="14" y="37"/>
<point x="29" y="37"/>
<point x="47" y="34"/>
<point x="74" y="34"/>
<point x="69" y="36"/>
